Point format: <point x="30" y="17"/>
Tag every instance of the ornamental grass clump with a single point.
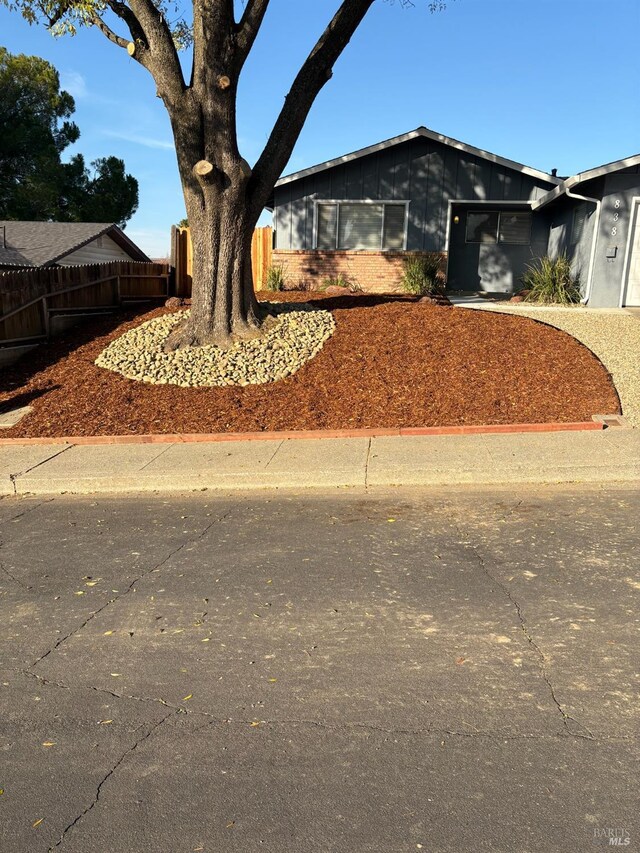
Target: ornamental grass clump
<point x="275" y="279"/>
<point x="420" y="274"/>
<point x="550" y="281"/>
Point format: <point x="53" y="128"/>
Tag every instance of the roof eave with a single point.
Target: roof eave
<point x="582" y="177"/>
<point x="414" y="134"/>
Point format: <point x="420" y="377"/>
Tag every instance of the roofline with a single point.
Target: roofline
<point x="581" y="177"/>
<point x="118" y="236"/>
<point x="414" y="134"/>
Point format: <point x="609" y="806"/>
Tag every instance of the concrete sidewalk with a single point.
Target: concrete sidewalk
<point x="608" y="456"/>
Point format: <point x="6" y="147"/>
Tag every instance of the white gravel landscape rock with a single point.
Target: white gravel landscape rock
<point x="296" y="335"/>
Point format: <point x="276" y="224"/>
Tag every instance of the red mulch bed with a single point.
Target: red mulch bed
<point x="390" y="363"/>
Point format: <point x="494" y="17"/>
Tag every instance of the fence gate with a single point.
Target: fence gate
<point x="182" y="258"/>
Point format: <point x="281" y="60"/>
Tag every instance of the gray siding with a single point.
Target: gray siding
<point x="426" y="173"/>
<point x="560" y="220"/>
<point x="608" y="273"/>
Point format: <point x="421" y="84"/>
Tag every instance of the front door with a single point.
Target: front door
<point x="632" y="297"/>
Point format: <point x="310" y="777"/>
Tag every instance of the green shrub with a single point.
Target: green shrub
<point x="420" y="274"/>
<point x="341" y="281"/>
<point x="275" y="279"/>
<point x="550" y="280"/>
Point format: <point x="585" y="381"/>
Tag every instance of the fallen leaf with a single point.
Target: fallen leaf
<point x="49" y="743"/>
<point x="104" y="722"/>
<point x="255" y="723"/>
<point x="230" y="824"/>
<point x="38" y="822"/>
<point x="186" y="698"/>
<point x="79" y="592"/>
<point x="460" y="660"/>
<point x="1" y="791"/>
<point x="108" y="633"/>
<point x="116" y="674"/>
<point x="390" y="520"/>
<point x="92" y="583"/>
<point x="206" y="640"/>
<point x="273" y="679"/>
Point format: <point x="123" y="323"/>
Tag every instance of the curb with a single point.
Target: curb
<point x="180" y="438"/>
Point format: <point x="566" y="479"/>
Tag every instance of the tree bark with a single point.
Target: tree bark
<point x="223" y="304"/>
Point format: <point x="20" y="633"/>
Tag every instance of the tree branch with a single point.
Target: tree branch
<point x="97" y="21"/>
<point x="315" y="72"/>
<point x="162" y="59"/>
<point x="249" y="26"/>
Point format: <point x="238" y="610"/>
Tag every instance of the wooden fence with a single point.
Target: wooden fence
<point x="29" y="298"/>
<point x="182" y="258"/>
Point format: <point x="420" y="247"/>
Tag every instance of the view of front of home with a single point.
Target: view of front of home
<point x="359" y="214"/>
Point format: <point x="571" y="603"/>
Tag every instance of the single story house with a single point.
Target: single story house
<point x="359" y="214"/>
<point x="49" y="244"/>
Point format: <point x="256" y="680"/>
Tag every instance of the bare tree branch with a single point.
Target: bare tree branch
<point x="315" y="72"/>
<point x="162" y="61"/>
<point x="97" y="21"/>
<point x="249" y="26"/>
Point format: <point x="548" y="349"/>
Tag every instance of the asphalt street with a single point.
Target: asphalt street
<point x="433" y="670"/>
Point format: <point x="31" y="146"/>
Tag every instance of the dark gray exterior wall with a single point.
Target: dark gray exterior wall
<point x="609" y="260"/>
<point x="422" y="171"/>
<point x="560" y="216"/>
<point x="491" y="267"/>
<point x="608" y="272"/>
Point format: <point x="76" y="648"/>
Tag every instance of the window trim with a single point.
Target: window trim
<point x="498" y="241"/>
<point x="338" y="201"/>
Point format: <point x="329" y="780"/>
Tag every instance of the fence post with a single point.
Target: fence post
<point x="45" y="318"/>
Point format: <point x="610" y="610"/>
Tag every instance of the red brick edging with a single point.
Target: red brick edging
<point x="178" y="438"/>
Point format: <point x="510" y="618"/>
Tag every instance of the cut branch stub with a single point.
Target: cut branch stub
<point x="204" y="170"/>
<point x="131" y="48"/>
<point x="224" y="82"/>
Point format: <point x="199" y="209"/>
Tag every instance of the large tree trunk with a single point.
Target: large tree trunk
<point x="223" y="304"/>
<point x="221" y="220"/>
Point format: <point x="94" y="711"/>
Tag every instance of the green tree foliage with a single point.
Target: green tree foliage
<point x="36" y="129"/>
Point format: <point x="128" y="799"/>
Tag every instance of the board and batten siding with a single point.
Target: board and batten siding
<point x="422" y="171"/>
<point x="99" y="251"/>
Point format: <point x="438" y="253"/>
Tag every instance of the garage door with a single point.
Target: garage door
<point x="633" y="274"/>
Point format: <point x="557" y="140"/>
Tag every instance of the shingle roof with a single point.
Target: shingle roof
<point x="38" y="244"/>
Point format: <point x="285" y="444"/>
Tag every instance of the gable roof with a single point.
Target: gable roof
<point x="581" y="177"/>
<point x="415" y="134"/>
<point x="40" y="244"/>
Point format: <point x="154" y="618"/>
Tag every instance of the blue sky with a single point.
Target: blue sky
<point x="549" y="83"/>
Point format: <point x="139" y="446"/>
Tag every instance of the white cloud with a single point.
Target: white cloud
<point x="138" y="139"/>
<point x="73" y="83"/>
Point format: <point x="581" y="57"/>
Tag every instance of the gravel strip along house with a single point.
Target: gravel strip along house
<point x="359" y="214"/>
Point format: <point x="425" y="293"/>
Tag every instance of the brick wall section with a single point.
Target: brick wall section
<point x="374" y="272"/>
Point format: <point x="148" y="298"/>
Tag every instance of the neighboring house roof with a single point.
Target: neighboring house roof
<point x="581" y="177"/>
<point x="41" y="244"/>
<point x="414" y="134"/>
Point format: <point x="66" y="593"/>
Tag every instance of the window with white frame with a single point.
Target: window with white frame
<point x="492" y="226"/>
<point x="361" y="225"/>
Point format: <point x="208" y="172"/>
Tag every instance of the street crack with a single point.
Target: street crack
<point x="542" y="660"/>
<point x="105" y="779"/>
<point x="125" y="592"/>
